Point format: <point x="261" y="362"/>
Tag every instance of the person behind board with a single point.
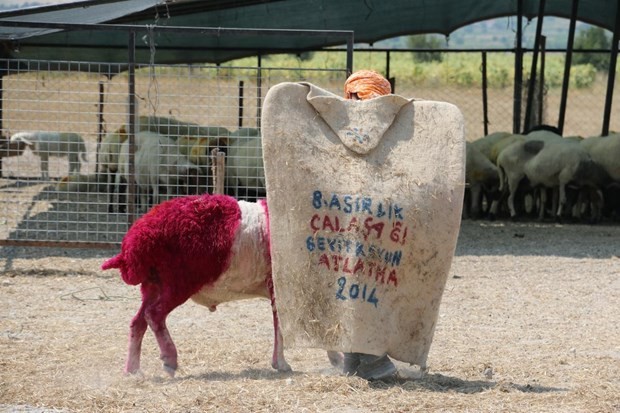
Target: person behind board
<point x="362" y="85"/>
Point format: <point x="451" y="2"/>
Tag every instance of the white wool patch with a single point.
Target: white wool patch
<point x="246" y="276"/>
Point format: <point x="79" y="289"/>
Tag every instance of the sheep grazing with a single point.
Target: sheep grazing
<point x="174" y="128"/>
<point x="158" y="164"/>
<point x="109" y="150"/>
<point x="55" y="144"/>
<point x="81" y="183"/>
<point x="482" y="178"/>
<point x="210" y="248"/>
<point x="547" y="164"/>
<point x="245" y="175"/>
<point x="605" y="150"/>
<point x="486" y="143"/>
<point x="200" y="151"/>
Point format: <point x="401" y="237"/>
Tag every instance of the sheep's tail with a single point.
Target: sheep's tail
<point x="501" y="174"/>
<point x="128" y="274"/>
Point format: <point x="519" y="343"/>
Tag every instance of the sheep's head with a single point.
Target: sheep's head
<point x="22" y="139"/>
<point x="122" y="133"/>
<point x="200" y="154"/>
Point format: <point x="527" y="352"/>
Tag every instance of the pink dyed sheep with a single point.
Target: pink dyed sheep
<point x="210" y="248"/>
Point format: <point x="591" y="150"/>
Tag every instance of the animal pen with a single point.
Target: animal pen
<point x="208" y="108"/>
<point x="199" y="111"/>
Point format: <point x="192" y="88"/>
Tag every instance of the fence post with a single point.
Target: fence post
<point x="218" y="170"/>
<point x="349" y="55"/>
<point x="531" y="87"/>
<point x="100" y="121"/>
<point x="485" y="102"/>
<point x="240" y="121"/>
<point x="541" y="87"/>
<point x="516" y="108"/>
<point x="131" y="185"/>
<point x="2" y="72"/>
<point x="567" y="64"/>
<point x="611" y="77"/>
<point x="259" y="92"/>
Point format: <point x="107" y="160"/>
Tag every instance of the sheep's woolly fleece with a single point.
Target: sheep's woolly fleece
<point x="157" y="237"/>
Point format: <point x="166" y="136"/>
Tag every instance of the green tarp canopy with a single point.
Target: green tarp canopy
<point x="370" y="21"/>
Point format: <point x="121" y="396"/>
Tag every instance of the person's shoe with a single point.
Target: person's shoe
<point x="368" y="366"/>
<point x="375" y="367"/>
<point x="350" y="363"/>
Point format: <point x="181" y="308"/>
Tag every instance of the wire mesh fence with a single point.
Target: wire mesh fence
<point x="65" y="153"/>
<point x="457" y="77"/>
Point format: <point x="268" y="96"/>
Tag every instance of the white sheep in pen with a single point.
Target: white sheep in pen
<point x="551" y="164"/>
<point x="109" y="151"/>
<point x="605" y="150"/>
<point x="482" y="177"/>
<point x="486" y="143"/>
<point x="245" y="174"/>
<point x="54" y="144"/>
<point x="158" y="162"/>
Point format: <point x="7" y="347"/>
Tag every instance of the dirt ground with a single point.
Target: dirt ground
<point x="528" y="323"/>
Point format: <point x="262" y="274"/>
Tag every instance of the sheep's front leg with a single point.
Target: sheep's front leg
<point x="167" y="349"/>
<point x="561" y="201"/>
<point x="44" y="166"/>
<point x="278" y="361"/>
<point x="111" y="185"/>
<point x="543" y="203"/>
<point x="513" y="185"/>
<point x="74" y="164"/>
<point x="476" y="200"/>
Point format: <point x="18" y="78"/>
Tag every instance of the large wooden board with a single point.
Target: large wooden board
<point x="365" y="201"/>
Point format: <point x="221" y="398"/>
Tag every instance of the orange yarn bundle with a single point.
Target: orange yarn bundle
<point x="366" y="84"/>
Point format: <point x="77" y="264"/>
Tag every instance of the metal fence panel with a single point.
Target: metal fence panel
<point x="176" y="104"/>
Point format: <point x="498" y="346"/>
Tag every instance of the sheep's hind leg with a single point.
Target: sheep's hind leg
<point x="137" y="328"/>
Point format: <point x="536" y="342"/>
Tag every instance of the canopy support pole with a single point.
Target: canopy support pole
<point x="350" y="54"/>
<point x="516" y="109"/>
<point x="541" y="86"/>
<point x="611" y="77"/>
<point x="531" y="87"/>
<point x="485" y="103"/>
<point x="567" y="64"/>
<point x="259" y="87"/>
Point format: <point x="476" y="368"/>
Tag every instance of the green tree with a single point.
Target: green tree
<point x="305" y="56"/>
<point x="426" y="41"/>
<point x="593" y="38"/>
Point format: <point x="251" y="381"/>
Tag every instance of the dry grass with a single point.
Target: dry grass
<point x="529" y="318"/>
<point x="529" y="322"/>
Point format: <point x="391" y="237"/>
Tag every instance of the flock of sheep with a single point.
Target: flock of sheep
<point x="539" y="173"/>
<point x="171" y="158"/>
<point x="543" y="174"/>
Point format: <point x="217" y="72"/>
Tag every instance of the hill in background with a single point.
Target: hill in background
<point x="498" y="34"/>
